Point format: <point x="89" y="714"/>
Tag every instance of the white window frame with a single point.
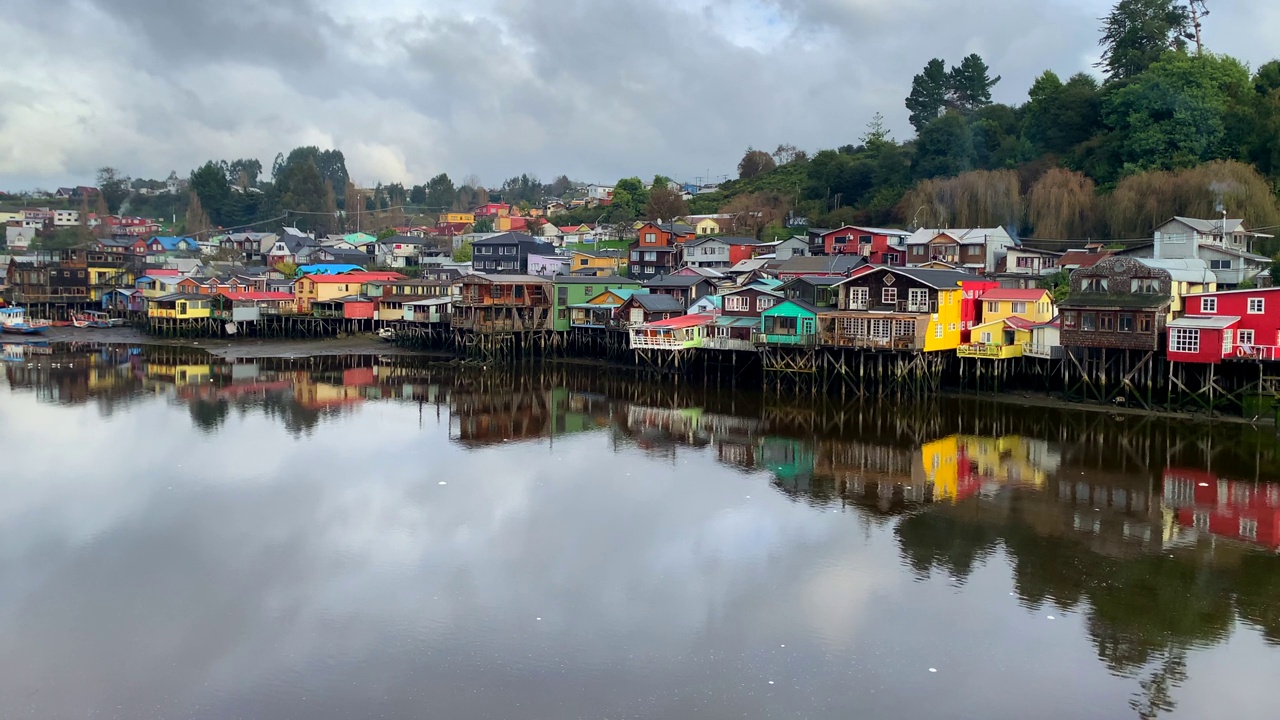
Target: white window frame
<point x="1208" y="305"/>
<point x="889" y="296"/>
<point x="1259" y="308"/>
<point x="1245" y="337"/>
<point x="764" y="302"/>
<point x="1185" y="340"/>
<point x="737" y="304"/>
<point x="937" y="331"/>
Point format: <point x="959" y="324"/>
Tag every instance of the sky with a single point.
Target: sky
<point x="493" y="88"/>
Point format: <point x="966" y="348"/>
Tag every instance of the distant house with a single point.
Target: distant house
<point x="1024" y="266"/>
<point x="1125" y="303"/>
<point x="657" y="249"/>
<point x="163" y="245"/>
<point x="401" y="251"/>
<point x="719" y="251"/>
<point x="599" y="263"/>
<point x="548" y="265"/>
<point x="683" y="288"/>
<point x="842" y="265"/>
<point x="782" y="250"/>
<point x="1224" y="244"/>
<point x="879" y="245"/>
<point x="974" y="249"/>
<point x="507" y="253"/>
<point x="645" y="307"/>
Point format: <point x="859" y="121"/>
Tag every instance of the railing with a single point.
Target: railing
<point x="901" y="306"/>
<point x="775" y="339"/>
<point x="981" y="350"/>
<point x="901" y="342"/>
<point x="717" y="343"/>
<point x="1048" y="352"/>
<point x="660" y="342"/>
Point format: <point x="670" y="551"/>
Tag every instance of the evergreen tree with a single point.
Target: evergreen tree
<point x="928" y="96"/>
<point x="969" y="84"/>
<point x="1137" y="32"/>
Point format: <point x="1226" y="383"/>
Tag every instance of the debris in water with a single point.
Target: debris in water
<point x="770" y="682"/>
<point x="933" y="670"/>
<point x="443" y="482"/>
<point x="1051" y="617"/>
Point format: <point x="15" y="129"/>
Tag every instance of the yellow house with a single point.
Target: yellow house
<point x="893" y="308"/>
<point x="1035" y="305"/>
<point x="322" y="288"/>
<point x="1008" y="459"/>
<point x="180" y="306"/>
<point x="457" y="217"/>
<point x="582" y="263"/>
<point x="708" y="226"/>
<point x="939" y="467"/>
<point x="6" y="217"/>
<point x="1007" y="318"/>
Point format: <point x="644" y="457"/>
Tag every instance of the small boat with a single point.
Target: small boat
<point x="387" y="334"/>
<point x="14" y="320"/>
<point x="93" y="319"/>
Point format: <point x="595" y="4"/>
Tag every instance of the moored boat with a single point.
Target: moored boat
<point x="14" y="320"/>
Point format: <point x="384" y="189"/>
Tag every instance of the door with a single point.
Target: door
<point x="637" y="316"/>
<point x="806" y="326"/>
<point x="182" y="308"/>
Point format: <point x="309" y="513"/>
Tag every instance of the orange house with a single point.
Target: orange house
<point x="658" y="249"/>
<point x="310" y="288"/>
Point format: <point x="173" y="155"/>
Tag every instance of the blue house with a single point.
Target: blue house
<point x="165" y="244"/>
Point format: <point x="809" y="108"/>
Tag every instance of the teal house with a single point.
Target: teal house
<point x="791" y="322"/>
<point x="571" y="290"/>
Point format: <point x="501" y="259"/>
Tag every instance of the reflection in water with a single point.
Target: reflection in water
<point x="1161" y="534"/>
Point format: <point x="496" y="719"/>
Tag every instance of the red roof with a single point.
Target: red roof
<point x="163" y="273"/>
<point x="1082" y="258"/>
<point x="1029" y="295"/>
<point x="683" y="321"/>
<point x="249" y="295"/>
<point x="1018" y="323"/>
<point x="355" y="277"/>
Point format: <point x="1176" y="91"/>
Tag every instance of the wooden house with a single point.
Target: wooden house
<point x="719" y="252"/>
<point x="1007" y="316"/>
<point x="428" y="310"/>
<point x="828" y="266"/>
<point x="576" y="290"/>
<point x="180" y="306"/>
<point x="504" y="303"/>
<point x="976" y="249"/>
<point x="250" y="306"/>
<point x="1227" y="325"/>
<point x="351" y="307"/>
<point x="998" y="339"/>
<point x="684" y="288"/>
<point x="599" y="311"/>
<point x="1124" y="303"/>
<point x="819" y="291"/>
<point x="1046" y="341"/>
<point x="645" y="307"/>
<point x="312" y="288"/>
<point x="790" y="322"/>
<point x="880" y="246"/>
<point x="600" y="264"/>
<point x="903" y="309"/>
<point x="677" y="333"/>
<point x="124" y="300"/>
<point x="658" y="249"/>
<point x="739" y="318"/>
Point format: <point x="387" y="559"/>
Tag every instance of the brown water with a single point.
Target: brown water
<point x="355" y="538"/>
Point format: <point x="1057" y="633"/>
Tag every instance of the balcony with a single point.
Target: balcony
<point x="737" y="344"/>
<point x="791" y="340"/>
<point x="1045" y="352"/>
<point x="664" y="340"/>
<point x="989" y="352"/>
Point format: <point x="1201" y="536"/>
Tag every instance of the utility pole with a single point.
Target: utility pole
<point x="1198" y="13"/>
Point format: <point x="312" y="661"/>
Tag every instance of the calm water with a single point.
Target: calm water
<point x="352" y="539"/>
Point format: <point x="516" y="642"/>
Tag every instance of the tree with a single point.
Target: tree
<point x="197" y="220"/>
<point x="877" y="135"/>
<point x="1062" y="204"/>
<point x="753" y="163"/>
<point x="1173" y="115"/>
<point x="633" y="198"/>
<point x="209" y="185"/>
<point x="665" y="203"/>
<point x="975" y="199"/>
<point x="1058" y="117"/>
<point x="113" y="186"/>
<point x="969" y="84"/>
<point x="483" y="225"/>
<point x="385" y="233"/>
<point x="560" y="186"/>
<point x="463" y="253"/>
<point x="1136" y="33"/>
<point x="928" y="96"/>
<point x="244" y="172"/>
<point x="287" y="268"/>
<point x="945" y="147"/>
<point x="418" y="195"/>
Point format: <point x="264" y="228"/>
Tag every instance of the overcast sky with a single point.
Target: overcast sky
<point x="594" y="89"/>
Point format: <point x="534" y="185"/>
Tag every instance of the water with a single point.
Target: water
<point x="348" y="538"/>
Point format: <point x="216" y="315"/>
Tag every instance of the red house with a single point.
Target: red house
<point x="351" y="307"/>
<point x="881" y="246"/>
<point x="1227" y="325"/>
<point x="658" y="249"/>
<point x="1247" y="511"/>
<point x="492" y="210"/>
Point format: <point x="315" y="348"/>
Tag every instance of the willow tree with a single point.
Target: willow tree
<point x="1141" y="202"/>
<point x="982" y="198"/>
<point x="1063" y="204"/>
<point x="197" y="221"/>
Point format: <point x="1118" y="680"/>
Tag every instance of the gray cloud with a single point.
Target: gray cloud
<point x="409" y="88"/>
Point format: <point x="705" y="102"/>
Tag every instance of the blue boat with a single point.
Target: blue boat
<point x="14" y="320"/>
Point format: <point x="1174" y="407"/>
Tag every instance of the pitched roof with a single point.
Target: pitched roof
<point x="1190" y="270"/>
<point x="935" y="278"/>
<point x="961" y="235"/>
<point x="683" y="321"/>
<point x="835" y="264"/>
<point x="169" y="242"/>
<point x="1083" y="258"/>
<point x="254" y="296"/>
<point x="357" y="277"/>
<point x="674" y="281"/>
<point x="657" y="303"/>
<point x="1214" y="322"/>
<point x="1103" y="300"/>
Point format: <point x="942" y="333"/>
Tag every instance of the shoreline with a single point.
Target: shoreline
<point x="372" y="345"/>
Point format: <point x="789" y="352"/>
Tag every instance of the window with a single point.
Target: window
<point x="1070" y="320"/>
<point x="892" y="258"/>
<point x="1144" y="286"/>
<point x="651" y="237"/>
<point x="918" y="300"/>
<point x="889" y="296"/>
<point x="937" y="330"/>
<point x="1249" y="528"/>
<point x="1186" y="340"/>
<point x="985" y="339"/>
<point x="737" y="304"/>
<point x="1126" y="322"/>
<point x="951" y="327"/>
<point x="1257" y="306"/>
<point x="1088" y="321"/>
<point x="590" y="291"/>
<point x="1107" y="322"/>
<point x="1019" y="307"/>
<point x="562" y="295"/>
<point x="1094" y="285"/>
<point x="722" y="331"/>
<point x="1219" y="264"/>
<point x="764" y="302"/>
<point x="1144" y="323"/>
<point x="859" y="298"/>
<point x="1209" y="305"/>
<point x="1026" y="262"/>
<point x="1244" y="337"/>
<point x="582" y="261"/>
<point x="993" y="307"/>
<point x="564" y="313"/>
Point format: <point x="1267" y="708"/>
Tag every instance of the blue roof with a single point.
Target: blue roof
<point x="327" y="269"/>
<point x="171" y="242"/>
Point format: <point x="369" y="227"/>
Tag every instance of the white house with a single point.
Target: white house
<point x="1224" y="244"/>
<point x="974" y="249"/>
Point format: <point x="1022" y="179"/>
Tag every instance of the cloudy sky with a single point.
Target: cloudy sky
<point x="596" y="90"/>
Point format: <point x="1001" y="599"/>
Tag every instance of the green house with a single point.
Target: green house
<point x="792" y="322"/>
<point x="577" y="290"/>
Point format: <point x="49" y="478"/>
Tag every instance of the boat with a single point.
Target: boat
<point x="94" y="319"/>
<point x="14" y="320"/>
<point x="387" y="334"/>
